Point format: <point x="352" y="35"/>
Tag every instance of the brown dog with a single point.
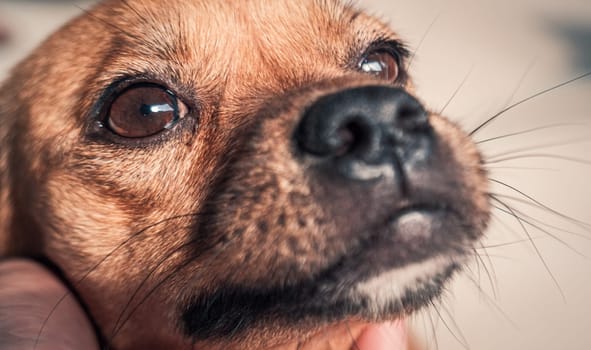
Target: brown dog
<point x="234" y="175"/>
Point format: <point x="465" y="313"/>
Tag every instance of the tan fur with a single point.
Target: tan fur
<point x="121" y="214"/>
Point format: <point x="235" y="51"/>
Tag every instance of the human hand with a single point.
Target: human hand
<point x="28" y="294"/>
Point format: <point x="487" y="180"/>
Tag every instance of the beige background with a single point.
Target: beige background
<point x="508" y="298"/>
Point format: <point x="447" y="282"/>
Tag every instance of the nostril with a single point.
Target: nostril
<point x="356" y="136"/>
<point x="349" y="134"/>
<point x="412" y="116"/>
<point x="346" y="136"/>
<point x="407" y="114"/>
<point x="411" y="119"/>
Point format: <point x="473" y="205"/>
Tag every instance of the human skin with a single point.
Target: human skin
<point x="38" y="312"/>
<point x="28" y="294"/>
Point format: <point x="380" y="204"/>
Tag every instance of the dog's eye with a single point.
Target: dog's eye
<point x="382" y="64"/>
<point x="144" y="110"/>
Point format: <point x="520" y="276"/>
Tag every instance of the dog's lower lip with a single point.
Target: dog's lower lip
<point x="417" y="221"/>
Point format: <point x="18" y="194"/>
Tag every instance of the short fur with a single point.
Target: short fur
<point x="151" y="233"/>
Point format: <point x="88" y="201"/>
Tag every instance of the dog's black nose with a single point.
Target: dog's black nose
<point x="365" y="132"/>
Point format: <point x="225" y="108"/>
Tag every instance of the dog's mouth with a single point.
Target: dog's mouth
<point x="372" y="284"/>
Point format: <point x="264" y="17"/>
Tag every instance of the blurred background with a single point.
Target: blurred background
<point x="529" y="287"/>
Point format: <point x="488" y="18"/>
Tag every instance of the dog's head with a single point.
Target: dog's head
<point x="222" y="173"/>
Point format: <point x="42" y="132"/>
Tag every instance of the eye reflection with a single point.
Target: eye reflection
<point x="149" y="109"/>
<point x="143" y="110"/>
<point x="381" y="64"/>
<point x="372" y="67"/>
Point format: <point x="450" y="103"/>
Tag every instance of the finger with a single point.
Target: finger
<point x="386" y="336"/>
<point x="28" y="293"/>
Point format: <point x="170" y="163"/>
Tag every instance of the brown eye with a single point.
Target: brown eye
<point x="144" y="110"/>
<point x="381" y="64"/>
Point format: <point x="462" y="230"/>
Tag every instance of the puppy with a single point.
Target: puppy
<point x="234" y="175"/>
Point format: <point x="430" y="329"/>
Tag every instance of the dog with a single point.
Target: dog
<point x="235" y="175"/>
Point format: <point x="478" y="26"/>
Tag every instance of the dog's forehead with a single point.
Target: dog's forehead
<point x="239" y="49"/>
<point x="201" y="24"/>
<point x="219" y="39"/>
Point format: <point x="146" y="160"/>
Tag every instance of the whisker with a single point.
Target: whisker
<point x="174" y="271"/>
<point x="420" y="44"/>
<point x="146" y="296"/>
<point x="520" y="221"/>
<point x="508" y="244"/>
<point x="520" y="102"/>
<point x="529" y="203"/>
<point x="492" y="277"/>
<point x="492" y="302"/>
<point x="433" y="331"/>
<point x="580" y="223"/>
<point x="479" y="263"/>
<point x="95" y="266"/>
<point x="529" y="131"/>
<point x="502" y="222"/>
<point x="149" y="274"/>
<point x="460" y="338"/>
<point x="171" y="274"/>
<point x="499" y="220"/>
<point x="540" y="155"/>
<point x="425" y="328"/>
<point x="528" y="220"/>
<point x="540" y="146"/>
<point x="501" y="257"/>
<point x="454" y="323"/>
<point x="521" y="168"/>
<point x="453" y="96"/>
<point x="521" y="80"/>
<point x="355" y="345"/>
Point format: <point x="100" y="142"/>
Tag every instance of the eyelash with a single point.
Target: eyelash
<point x="395" y="48"/>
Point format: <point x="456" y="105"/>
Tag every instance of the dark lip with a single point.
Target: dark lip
<point x="380" y="239"/>
<point x="231" y="313"/>
<point x="231" y="310"/>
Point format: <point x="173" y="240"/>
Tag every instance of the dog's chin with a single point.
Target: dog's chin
<point x="374" y="283"/>
<point x="344" y="319"/>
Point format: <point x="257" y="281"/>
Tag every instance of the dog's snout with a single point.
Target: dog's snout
<point x="366" y="131"/>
